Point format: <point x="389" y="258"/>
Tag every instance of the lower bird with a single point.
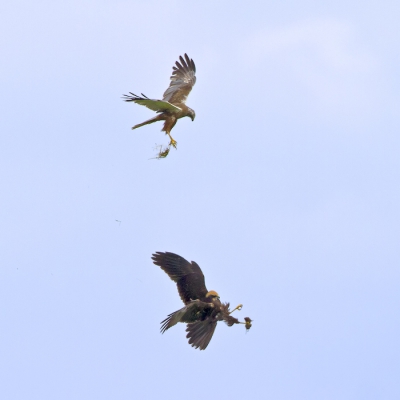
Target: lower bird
<point x="203" y="308"/>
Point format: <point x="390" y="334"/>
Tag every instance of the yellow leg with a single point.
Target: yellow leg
<point x="239" y="307"/>
<point x="173" y="142"/>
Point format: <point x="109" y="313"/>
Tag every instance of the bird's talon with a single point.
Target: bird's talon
<point x="239" y="307"/>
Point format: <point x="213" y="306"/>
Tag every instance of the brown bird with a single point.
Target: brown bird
<point x="172" y="106"/>
<point x="203" y="308"/>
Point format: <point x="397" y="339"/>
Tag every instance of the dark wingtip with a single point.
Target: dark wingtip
<point x="190" y="62"/>
<point x="126" y="97"/>
<point x="164" y="325"/>
<point x="183" y="62"/>
<point x="131" y="97"/>
<point x="157" y="257"/>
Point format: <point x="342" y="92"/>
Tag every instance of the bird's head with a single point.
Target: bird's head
<point x="213" y="295"/>
<point x="191" y="114"/>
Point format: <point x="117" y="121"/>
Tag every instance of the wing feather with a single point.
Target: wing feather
<point x="200" y="333"/>
<point x="192" y="312"/>
<point x="155" y="105"/>
<point x="188" y="276"/>
<point x="182" y="80"/>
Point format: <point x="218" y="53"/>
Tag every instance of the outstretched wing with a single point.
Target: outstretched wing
<point x="188" y="276"/>
<point x="200" y="333"/>
<point x="182" y="80"/>
<point x="155" y="105"/>
<point x="194" y="311"/>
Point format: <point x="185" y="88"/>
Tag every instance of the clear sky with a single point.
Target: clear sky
<point x="285" y="189"/>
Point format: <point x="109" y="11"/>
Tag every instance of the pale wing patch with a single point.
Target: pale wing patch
<point x="182" y="80"/>
<point x="155" y="105"/>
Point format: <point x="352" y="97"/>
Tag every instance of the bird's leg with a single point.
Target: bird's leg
<point x="239" y="307"/>
<point x="173" y="142"/>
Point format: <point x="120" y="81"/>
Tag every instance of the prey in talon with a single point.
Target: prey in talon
<point x="248" y="322"/>
<point x="203" y="308"/>
<point x="162" y="152"/>
<point x="173" y="104"/>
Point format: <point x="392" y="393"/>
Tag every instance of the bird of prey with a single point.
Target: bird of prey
<point x="172" y="106"/>
<point x="203" y="308"/>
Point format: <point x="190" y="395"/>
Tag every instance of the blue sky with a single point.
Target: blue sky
<point x="285" y="190"/>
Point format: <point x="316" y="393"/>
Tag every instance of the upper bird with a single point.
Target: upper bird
<point x="172" y="106"/>
<point x="203" y="308"/>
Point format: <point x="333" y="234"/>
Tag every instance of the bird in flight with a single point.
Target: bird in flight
<point x="172" y="106"/>
<point x="203" y="308"/>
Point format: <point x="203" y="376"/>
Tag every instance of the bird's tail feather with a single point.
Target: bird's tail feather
<point x="149" y="121"/>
